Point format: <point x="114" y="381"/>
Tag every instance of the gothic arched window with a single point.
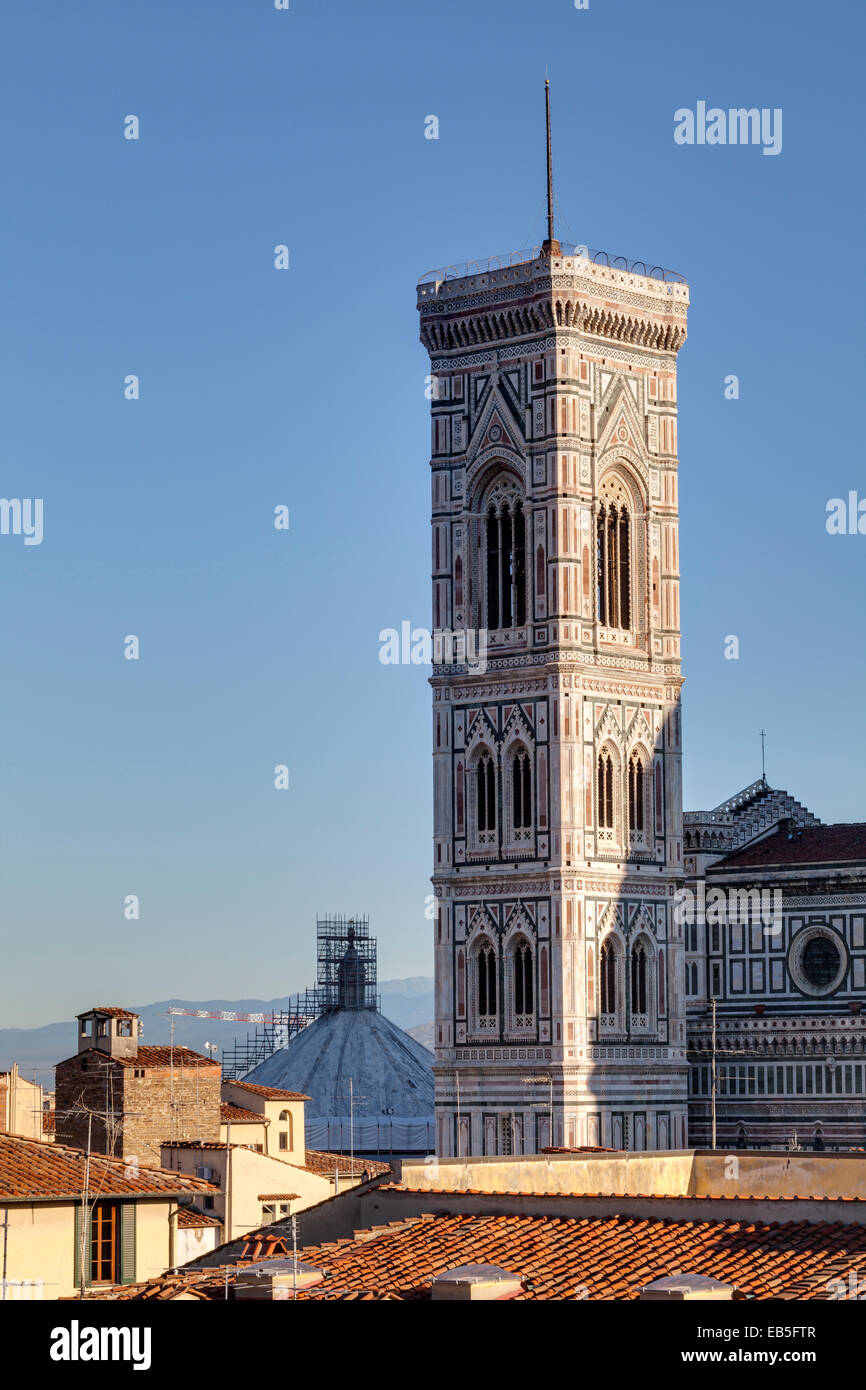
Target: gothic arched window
<point x="485" y="792"/>
<point x="604" y="790"/>
<point x="485" y="966"/>
<point x="607" y="978"/>
<point x="521" y="790"/>
<point x="521" y="966"/>
<point x="636" y="784"/>
<point x="505" y="548"/>
<point x="639" y="979"/>
<point x="613" y="564"/>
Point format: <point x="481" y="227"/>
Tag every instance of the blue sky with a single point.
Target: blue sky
<point x="306" y="387"/>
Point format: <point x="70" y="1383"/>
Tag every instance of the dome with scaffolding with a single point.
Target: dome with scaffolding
<point x="370" y="1084"/>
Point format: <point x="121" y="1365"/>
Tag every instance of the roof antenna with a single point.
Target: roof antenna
<point x="763" y="763"/>
<point x="551" y="246"/>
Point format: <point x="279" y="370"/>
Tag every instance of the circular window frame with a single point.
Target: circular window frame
<point x="795" y="960"/>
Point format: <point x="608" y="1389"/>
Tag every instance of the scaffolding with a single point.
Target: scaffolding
<point x="269" y="1037"/>
<point x="346" y="964"/>
<point x="346" y="978"/>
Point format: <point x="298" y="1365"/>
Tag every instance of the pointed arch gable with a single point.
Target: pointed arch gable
<point x="642" y="921"/>
<point x="481" y="730"/>
<point x="518" y="922"/>
<point x="608" y="725"/>
<point x="611" y="924"/>
<point x="518" y="726"/>
<point x="482" y="920"/>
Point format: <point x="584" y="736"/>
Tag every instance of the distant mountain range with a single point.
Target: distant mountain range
<point x="408" y="1003"/>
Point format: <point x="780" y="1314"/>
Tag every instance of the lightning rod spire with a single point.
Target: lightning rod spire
<point x="551" y="246"/>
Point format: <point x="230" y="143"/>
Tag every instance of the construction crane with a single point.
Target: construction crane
<point x="230" y="1016"/>
<point x="273" y="1032"/>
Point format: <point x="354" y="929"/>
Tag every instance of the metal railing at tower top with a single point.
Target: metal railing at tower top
<point x="568" y="249"/>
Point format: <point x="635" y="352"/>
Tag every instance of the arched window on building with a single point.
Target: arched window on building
<point x="607" y="972"/>
<point x="639" y="993"/>
<point x="521" y="793"/>
<point x="523" y="984"/>
<point x="636" y="795"/>
<point x="285" y="1133"/>
<point x="613" y="564"/>
<point x="505" y="551"/>
<point x="485" y="983"/>
<point x="604" y="790"/>
<point x="485" y="792"/>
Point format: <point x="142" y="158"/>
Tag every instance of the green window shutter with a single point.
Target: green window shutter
<point x="76" y="1255"/>
<point x="127" y="1243"/>
<point x="76" y="1250"/>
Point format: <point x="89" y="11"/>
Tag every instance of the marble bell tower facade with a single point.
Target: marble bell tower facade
<point x="560" y="1010"/>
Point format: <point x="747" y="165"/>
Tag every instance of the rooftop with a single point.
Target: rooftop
<point x="236" y="1115"/>
<point x="270" y="1092"/>
<point x="803" y="845"/>
<point x="554" y="1257"/>
<point x="113" y="1011"/>
<point x="190" y="1217"/>
<point x="327" y="1164"/>
<point x="351" y="1052"/>
<point x="33" y="1170"/>
<point x="149" y="1055"/>
<point x="569" y="250"/>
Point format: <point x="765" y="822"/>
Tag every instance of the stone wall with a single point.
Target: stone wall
<point x="154" y="1107"/>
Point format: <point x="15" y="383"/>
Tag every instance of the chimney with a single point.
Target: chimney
<point x="274" y="1280"/>
<point x="468" y="1283"/>
<point x="678" y="1288"/>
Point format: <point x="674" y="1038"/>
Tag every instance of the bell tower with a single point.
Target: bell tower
<point x="560" y="1015"/>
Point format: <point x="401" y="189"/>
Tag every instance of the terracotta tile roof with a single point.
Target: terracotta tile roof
<point x="278" y="1196"/>
<point x="614" y="1196"/>
<point x="270" y="1092"/>
<point x="844" y="843"/>
<point x="111" y="1009"/>
<point x="188" y="1217"/>
<point x="580" y="1149"/>
<point x="236" y="1115"/>
<point x="565" y="1257"/>
<point x="326" y="1164"/>
<point x="31" y="1169"/>
<point x="199" y="1144"/>
<point x="150" y="1055"/>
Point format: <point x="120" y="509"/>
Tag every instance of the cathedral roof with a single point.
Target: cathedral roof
<point x="390" y="1073"/>
<point x="800" y="845"/>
